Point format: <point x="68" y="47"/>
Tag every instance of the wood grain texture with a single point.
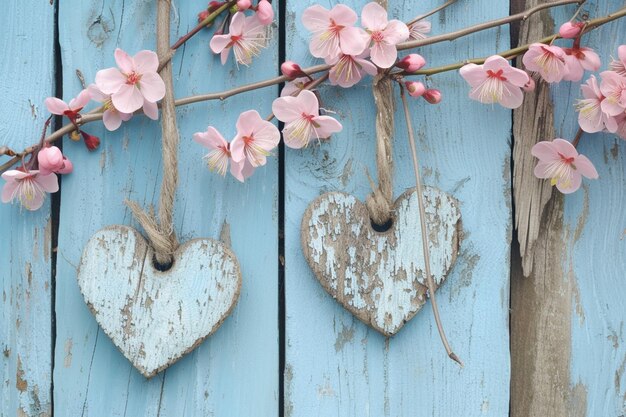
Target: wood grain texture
<point x="379" y="276"/>
<point x="27" y="69"/>
<point x="234" y="372"/>
<point x="336" y="365"/>
<point x="567" y="318"/>
<point x="155" y="317"/>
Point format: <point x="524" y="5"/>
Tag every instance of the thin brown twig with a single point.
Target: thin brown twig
<point x="579" y="135"/>
<point x="424" y="229"/>
<point x="483" y="26"/>
<point x="432" y="12"/>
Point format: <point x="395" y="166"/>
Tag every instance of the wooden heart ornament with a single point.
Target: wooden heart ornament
<point x="378" y="276"/>
<point x="156" y="317"/>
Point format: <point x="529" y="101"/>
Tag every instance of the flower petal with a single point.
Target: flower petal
<point x="285" y="110"/>
<point x="97" y="94"/>
<point x="152" y="87"/>
<point x="352" y="40"/>
<point x="565" y="148"/>
<point x="124" y="61"/>
<point x="110" y="80"/>
<point x="326" y="126"/>
<point x="396" y="32"/>
<point x="49" y="183"/>
<point x="146" y="61"/>
<point x="111" y="120"/>
<point x="374" y="17"/>
<point x="315" y="18"/>
<point x="585" y="167"/>
<point x="56" y="106"/>
<point x="544" y="151"/>
<point x="211" y="139"/>
<point x="573" y="184"/>
<point x="80" y="101"/>
<point x="237" y="24"/>
<point x="384" y="55"/>
<point x="128" y="99"/>
<point x="8" y="191"/>
<point x="151" y="110"/>
<point x="343" y="15"/>
<point x="219" y="42"/>
<point x="512" y="96"/>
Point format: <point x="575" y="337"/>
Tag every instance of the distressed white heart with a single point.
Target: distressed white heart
<point x="379" y="276"/>
<point x="156" y="317"/>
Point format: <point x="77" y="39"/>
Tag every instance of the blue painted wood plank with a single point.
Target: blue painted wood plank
<point x="234" y="372"/>
<point x="337" y="366"/>
<point x="594" y="256"/>
<point x="27" y="70"/>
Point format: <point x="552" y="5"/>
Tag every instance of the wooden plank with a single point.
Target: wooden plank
<point x="568" y="349"/>
<point x="27" y="70"/>
<point x="234" y="372"/>
<point x="337" y="366"/>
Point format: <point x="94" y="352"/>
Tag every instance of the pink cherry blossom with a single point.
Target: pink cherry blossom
<point x="51" y="159"/>
<point x="134" y="82"/>
<point x="246" y="38"/>
<point x="569" y="30"/>
<point x="334" y="32"/>
<point x="419" y="29"/>
<point x="619" y="65"/>
<point x="578" y="60"/>
<point x="111" y="118"/>
<point x="71" y="110"/>
<point x="264" y="12"/>
<point x="547" y="60"/>
<point x="29" y="188"/>
<point x="302" y="120"/>
<point x="384" y="34"/>
<point x="348" y="70"/>
<point x="496" y="81"/>
<point x="560" y="162"/>
<point x="219" y="155"/>
<point x="613" y="87"/>
<point x="254" y="140"/>
<point x="591" y="118"/>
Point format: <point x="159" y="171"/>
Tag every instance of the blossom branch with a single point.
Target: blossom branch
<point x="432" y="12"/>
<point x="484" y="26"/>
<point x="512" y="53"/>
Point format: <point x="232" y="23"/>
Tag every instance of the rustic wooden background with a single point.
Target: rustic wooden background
<point x="548" y="345"/>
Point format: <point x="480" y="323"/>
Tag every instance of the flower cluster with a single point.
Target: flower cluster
<point x="246" y="33"/>
<point x="134" y="85"/>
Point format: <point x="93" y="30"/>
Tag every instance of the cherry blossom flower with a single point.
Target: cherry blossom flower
<point x="419" y="29"/>
<point x="334" y="32"/>
<point x="302" y="120"/>
<point x="254" y="140"/>
<point x="113" y="118"/>
<point x="51" y="159"/>
<point x="29" y="188"/>
<point x="71" y="110"/>
<point x="246" y="38"/>
<point x="547" y="60"/>
<point x="569" y="30"/>
<point x="384" y="34"/>
<point x="496" y="81"/>
<point x="619" y="65"/>
<point x="134" y="82"/>
<point x="578" y="60"/>
<point x="219" y="155"/>
<point x="264" y="12"/>
<point x="591" y="118"/>
<point x="348" y="70"/>
<point x="613" y="87"/>
<point x="411" y="62"/>
<point x="560" y="162"/>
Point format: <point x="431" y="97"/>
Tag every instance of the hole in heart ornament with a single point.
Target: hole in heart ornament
<point x="379" y="276"/>
<point x="156" y="317"/>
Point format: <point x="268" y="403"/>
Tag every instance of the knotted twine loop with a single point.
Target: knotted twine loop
<point x="380" y="202"/>
<point x="160" y="231"/>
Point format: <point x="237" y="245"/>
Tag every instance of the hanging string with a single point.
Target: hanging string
<point x="160" y="231"/>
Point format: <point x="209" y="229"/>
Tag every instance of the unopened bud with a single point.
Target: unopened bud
<point x="530" y="85"/>
<point x="291" y="70"/>
<point x="415" y="88"/>
<point x="411" y="63"/>
<point x="203" y="15"/>
<point x="264" y="12"/>
<point x="432" y="96"/>
<point x="569" y="30"/>
<point x="243" y="5"/>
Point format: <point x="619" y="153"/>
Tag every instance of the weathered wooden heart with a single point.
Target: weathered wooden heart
<point x="156" y="317"/>
<point x="378" y="276"/>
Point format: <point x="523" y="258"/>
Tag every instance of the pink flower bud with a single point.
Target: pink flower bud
<point x="214" y="5"/>
<point x="68" y="167"/>
<point x="432" y="96"/>
<point x="291" y="70"/>
<point x="416" y="88"/>
<point x="570" y="30"/>
<point x="243" y="5"/>
<point x="203" y="15"/>
<point x="50" y="160"/>
<point x="529" y="86"/>
<point x="411" y="63"/>
<point x="264" y="12"/>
